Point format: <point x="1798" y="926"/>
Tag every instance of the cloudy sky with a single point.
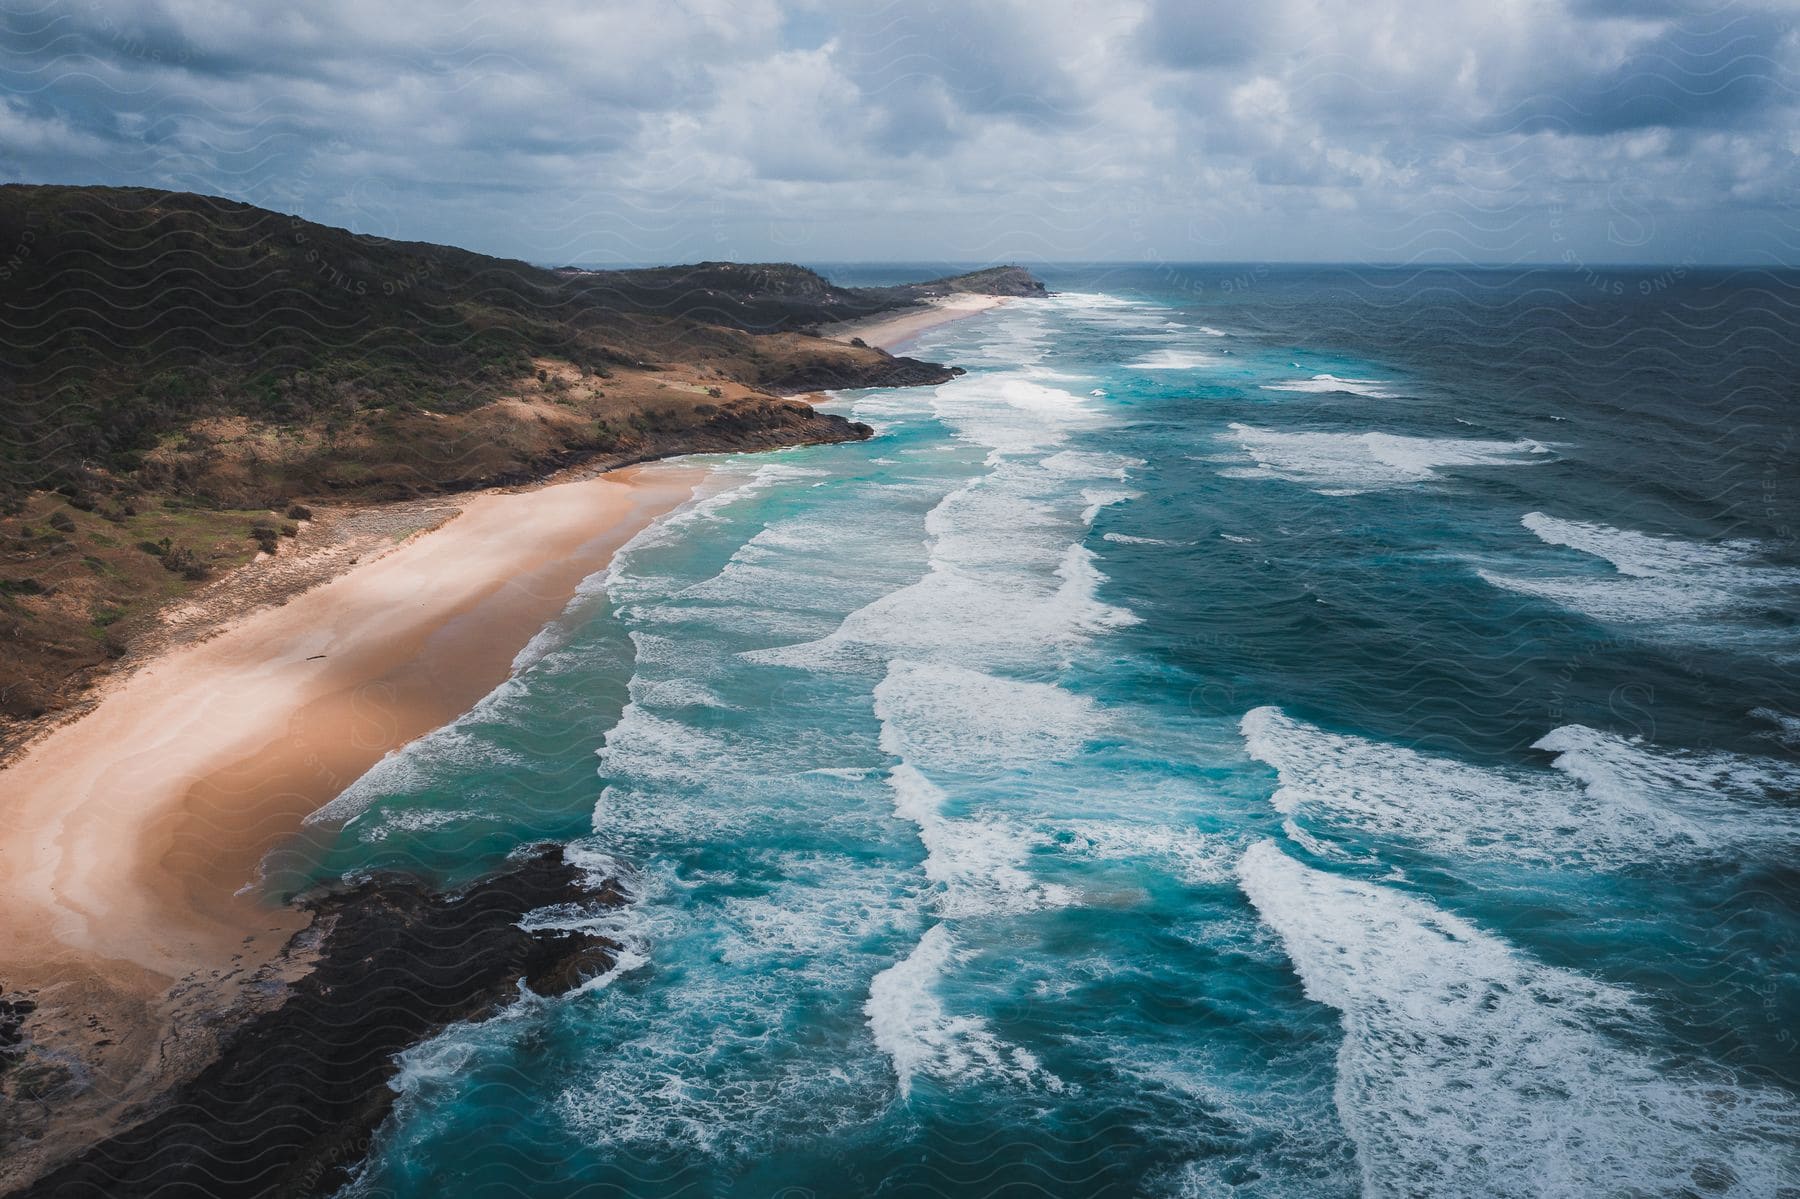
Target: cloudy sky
<point x="1582" y="131"/>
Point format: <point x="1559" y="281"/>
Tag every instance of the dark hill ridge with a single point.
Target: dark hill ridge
<point x="177" y="370"/>
<point x="771" y="296"/>
<point x="128" y="311"/>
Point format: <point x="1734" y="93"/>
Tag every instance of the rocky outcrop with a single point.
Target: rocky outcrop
<point x="837" y="373"/>
<point x="296" y="1092"/>
<point x="994" y="281"/>
<point x="768" y="297"/>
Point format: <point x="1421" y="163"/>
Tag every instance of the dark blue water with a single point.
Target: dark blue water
<point x="1261" y="732"/>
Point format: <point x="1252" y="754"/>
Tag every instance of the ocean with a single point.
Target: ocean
<point x="1264" y="731"/>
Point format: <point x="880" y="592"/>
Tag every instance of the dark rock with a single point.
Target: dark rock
<point x="295" y="1093"/>
<point x="835" y="373"/>
<point x="13" y="1011"/>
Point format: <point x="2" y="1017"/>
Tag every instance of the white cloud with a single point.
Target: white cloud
<point x="1066" y="128"/>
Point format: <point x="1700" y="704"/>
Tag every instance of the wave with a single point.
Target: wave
<point x="1469" y="1069"/>
<point x="1607" y="803"/>
<point x="1099" y="498"/>
<point x="946" y="717"/>
<point x="1011" y="414"/>
<point x="1128" y="539"/>
<point x="953" y="615"/>
<point x="985" y="599"/>
<point x="420" y="820"/>
<point x="1339" y="464"/>
<point x="1786" y="728"/>
<point x="1196" y="858"/>
<point x="690" y="1066"/>
<point x="1637" y="554"/>
<point x="1324" y="384"/>
<point x="457" y="749"/>
<point x="1090" y="464"/>
<point x="974" y="865"/>
<point x="1658" y="578"/>
<point x="644" y="746"/>
<point x="1175" y="360"/>
<point x="919" y="1035"/>
<point x="713" y="498"/>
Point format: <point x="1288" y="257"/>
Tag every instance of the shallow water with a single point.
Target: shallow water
<point x="1283" y="732"/>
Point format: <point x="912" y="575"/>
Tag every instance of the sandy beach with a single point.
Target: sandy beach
<point x="891" y="332"/>
<point x="129" y="836"/>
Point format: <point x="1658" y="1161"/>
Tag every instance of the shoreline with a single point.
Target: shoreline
<point x="890" y="331"/>
<point x="134" y="832"/>
<point x="133" y="835"/>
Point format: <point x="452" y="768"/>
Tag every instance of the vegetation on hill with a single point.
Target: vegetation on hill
<point x="128" y="313"/>
<point x="176" y="370"/>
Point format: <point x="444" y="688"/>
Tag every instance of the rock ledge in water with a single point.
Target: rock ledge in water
<point x="296" y="1092"/>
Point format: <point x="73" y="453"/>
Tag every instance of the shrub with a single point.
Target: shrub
<point x="184" y="562"/>
<point x="155" y="549"/>
<point x="299" y="512"/>
<point x="62" y="521"/>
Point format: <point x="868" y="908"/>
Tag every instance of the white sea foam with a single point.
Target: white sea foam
<point x="985" y="599"/>
<point x="1469" y="1069"/>
<point x="455" y="748"/>
<point x="1099" y="498"/>
<point x="1659" y="579"/>
<point x="1009" y="413"/>
<point x="1200" y="859"/>
<point x="419" y="820"/>
<point x="644" y="746"/>
<point x="694" y="1065"/>
<point x="921" y="1037"/>
<point x="1637" y="554"/>
<point x="713" y="498"/>
<point x="1609" y="803"/>
<point x="976" y="865"/>
<point x="1350" y="463"/>
<point x="1090" y="464"/>
<point x="1128" y="539"/>
<point x="939" y="716"/>
<point x="1371" y="388"/>
<point x="1722" y="802"/>
<point x="675" y="693"/>
<point x="761" y="577"/>
<point x="963" y="616"/>
<point x="804" y="924"/>
<point x="1175" y="360"/>
<point x="1787" y="728"/>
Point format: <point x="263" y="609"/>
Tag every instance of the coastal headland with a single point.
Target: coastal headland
<point x="241" y="565"/>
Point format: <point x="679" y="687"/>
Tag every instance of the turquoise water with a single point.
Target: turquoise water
<point x="1259" y="733"/>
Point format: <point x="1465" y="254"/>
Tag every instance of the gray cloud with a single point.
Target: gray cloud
<point x="563" y="130"/>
